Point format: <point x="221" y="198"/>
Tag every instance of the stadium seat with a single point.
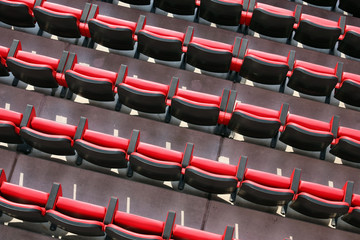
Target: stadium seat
<point x="214" y="177"/>
<point x="318" y="32"/>
<point x="273" y="21"/>
<point x="64" y="21"/>
<point x="213" y="56"/>
<point x="159" y="163"/>
<point x="348" y="43"/>
<point x="77" y="217"/>
<point x="105" y="150"/>
<point x="253" y="121"/>
<point x="20" y="202"/>
<point x="163" y="44"/>
<point x="199" y="108"/>
<point x="348" y="89"/>
<point x="221" y="12"/>
<point x="10" y="126"/>
<point x="320" y="201"/>
<point x="322" y="3"/>
<point x="269" y="189"/>
<point x="18" y="13"/>
<point x="308" y="134"/>
<point x="92" y="83"/>
<point x="133" y="227"/>
<point x="313" y="79"/>
<point x="113" y="32"/>
<point x="3" y="55"/>
<point x="143" y="95"/>
<point x="266" y="68"/>
<point x="180" y="7"/>
<point x="182" y="232"/>
<point x="353" y="216"/>
<point x="347" y="144"/>
<point x="38" y="70"/>
<point x="351" y="6"/>
<point x="47" y="135"/>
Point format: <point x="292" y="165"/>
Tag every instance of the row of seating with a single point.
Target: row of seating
<point x="308" y="198"/>
<point x="188" y="7"/>
<point x="350" y="6"/>
<point x="265" y="19"/>
<point x="265" y="68"/>
<point x="88" y="219"/>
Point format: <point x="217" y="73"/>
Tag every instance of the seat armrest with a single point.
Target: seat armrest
<point x="169" y="225"/>
<point x="28" y="116"/>
<point x="111" y="210"/>
<point x="15" y="47"/>
<point x="295" y="180"/>
<point x="335" y="121"/>
<point x="94" y="11"/>
<point x="85" y="12"/>
<point x="342" y="24"/>
<point x="71" y="60"/>
<point x="291" y="59"/>
<point x="188" y="154"/>
<point x="174" y="85"/>
<point x="63" y="60"/>
<point x="224" y="99"/>
<point x="188" y="35"/>
<point x="134" y="141"/>
<point x="236" y="47"/>
<point x="339" y="70"/>
<point x="229" y="233"/>
<point x="297" y="13"/>
<point x="81" y="127"/>
<point x="55" y="193"/>
<point x="241" y="168"/>
<point x="348" y="192"/>
<point x="284" y="113"/>
<point x="140" y="24"/>
<point x="243" y="48"/>
<point x="122" y="74"/>
<point x="231" y="102"/>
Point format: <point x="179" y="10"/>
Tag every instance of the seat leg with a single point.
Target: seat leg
<point x="327" y="99"/>
<point x="152" y="8"/>
<point x="129" y="172"/>
<point x="181" y="184"/>
<point x="91" y="43"/>
<point x="323" y="154"/>
<point x="118" y="106"/>
<point x="274" y="141"/>
<point x="78" y="161"/>
<point x="282" y="87"/>
<point x="137" y="54"/>
<point x="183" y="62"/>
<point x="24" y="148"/>
<point x="53" y="91"/>
<point x="15" y="82"/>
<point x="40" y="32"/>
<point x="334" y="222"/>
<point x="168" y="115"/>
<point x="63" y="92"/>
<point x="53" y="227"/>
<point x="69" y="94"/>
<point x="85" y="42"/>
<point x="107" y="238"/>
<point x="233" y="195"/>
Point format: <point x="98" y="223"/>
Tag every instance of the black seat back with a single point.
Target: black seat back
<point x="220" y="12"/>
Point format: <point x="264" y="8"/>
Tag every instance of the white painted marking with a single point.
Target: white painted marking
<point x="239" y="137"/>
<point x="296" y="94"/>
<point x="279" y="171"/>
<point x="197" y="70"/>
<point x="61" y="119"/>
<point x="4" y="144"/>
<point x="213" y="25"/>
<point x="134" y="112"/>
<point x="128" y="205"/>
<point x="183" y="124"/>
<point x="342" y="55"/>
<point x="151" y="60"/>
<point x="135" y="76"/>
<point x="33" y="52"/>
<point x="225" y="197"/>
<point x="12" y="28"/>
<point x="168" y="184"/>
<point x="74" y="191"/>
<point x="30" y="87"/>
<point x="7" y="106"/>
<point x="223" y="159"/>
<point x="338" y="160"/>
<point x="63" y="158"/>
<point x="257" y="35"/>
<point x="102" y="48"/>
<point x="249" y="83"/>
<point x="300" y="45"/>
<point x="342" y="105"/>
<point x="305" y="3"/>
<point x="289" y="149"/>
<point x="54" y="37"/>
<point x="116" y="132"/>
<point x="170" y="15"/>
<point x="236" y="231"/>
<point x="168" y="145"/>
<point x="80" y="99"/>
<point x="278" y="210"/>
<point x="21" y="179"/>
<point x="331" y="184"/>
<point x="124" y="4"/>
<point x="182" y="217"/>
<point x="345" y="13"/>
<point x="183" y="87"/>
<point x="84" y="64"/>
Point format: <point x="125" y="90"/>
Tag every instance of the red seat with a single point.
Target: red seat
<point x="10" y="126"/>
<point x="353" y="216"/>
<point x="18" y="13"/>
<point x="20" y="202"/>
<point x="347" y="144"/>
<point x="348" y="89"/>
